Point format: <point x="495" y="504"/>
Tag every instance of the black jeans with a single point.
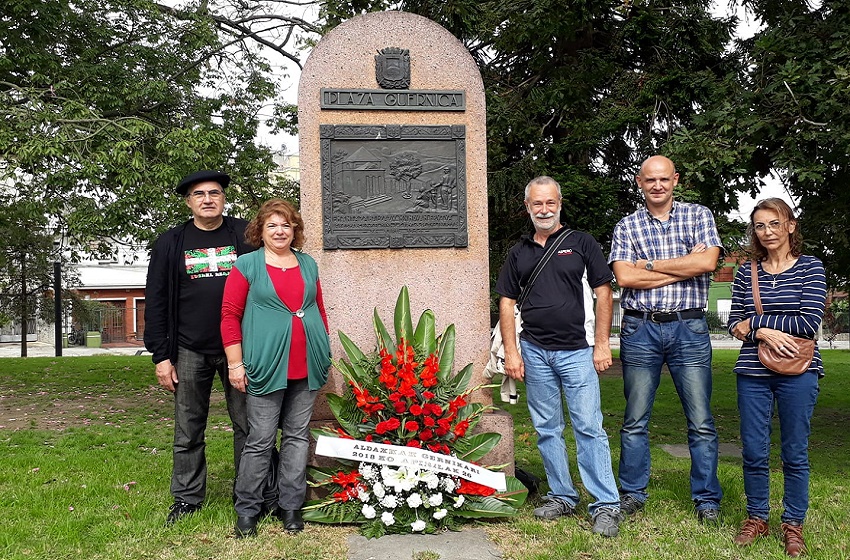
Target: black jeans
<point x="195" y="375"/>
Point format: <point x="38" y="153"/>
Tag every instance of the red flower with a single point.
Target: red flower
<point x="346" y="479"/>
<point x="414" y="443"/>
<point x="411" y="426"/>
<point x="457" y="403"/>
<point x="428" y="395"/>
<point x="425" y="435"/>
<point x="342" y="496"/>
<point x="461" y="427"/>
<point x="433" y="409"/>
<point x="387" y="426"/>
<point x="429" y="422"/>
<point x="416" y="410"/>
<point x="342" y="433"/>
<point x="400" y="407"/>
<point x="474" y="489"/>
<point x="441" y="432"/>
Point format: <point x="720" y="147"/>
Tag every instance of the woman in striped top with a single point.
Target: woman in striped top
<point x="792" y="287"/>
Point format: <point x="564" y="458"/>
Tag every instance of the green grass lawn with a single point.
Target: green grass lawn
<point x="87" y="464"/>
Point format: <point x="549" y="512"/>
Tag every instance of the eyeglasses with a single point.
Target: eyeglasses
<point x="775" y="225"/>
<point x="214" y="194"/>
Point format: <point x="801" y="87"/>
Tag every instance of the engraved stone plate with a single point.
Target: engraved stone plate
<point x="393" y="186"/>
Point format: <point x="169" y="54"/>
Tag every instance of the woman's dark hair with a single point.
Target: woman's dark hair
<point x="254" y="231"/>
<point x="756" y="249"/>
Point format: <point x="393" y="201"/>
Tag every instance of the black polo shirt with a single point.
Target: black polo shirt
<point x="558" y="312"/>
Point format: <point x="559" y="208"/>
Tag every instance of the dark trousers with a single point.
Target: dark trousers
<point x="195" y="375"/>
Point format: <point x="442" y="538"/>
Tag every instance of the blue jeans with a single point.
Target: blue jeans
<point x="291" y="410"/>
<point x="551" y="375"/>
<point x="685" y="347"/>
<point x="794" y="398"/>
<point x="195" y="375"/>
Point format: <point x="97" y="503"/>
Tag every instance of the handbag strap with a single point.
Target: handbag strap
<point x="540" y="264"/>
<point x="754" y="275"/>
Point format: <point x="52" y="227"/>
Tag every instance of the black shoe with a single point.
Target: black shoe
<point x="292" y="520"/>
<point x="246" y="526"/>
<point x="709" y="516"/>
<point x="629" y="505"/>
<point x="178" y="510"/>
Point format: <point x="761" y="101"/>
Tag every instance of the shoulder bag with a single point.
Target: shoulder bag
<point x="771" y="359"/>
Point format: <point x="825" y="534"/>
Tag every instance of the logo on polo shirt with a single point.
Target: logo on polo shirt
<point x="563" y="252"/>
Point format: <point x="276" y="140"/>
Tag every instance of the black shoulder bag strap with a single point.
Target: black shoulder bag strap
<point x="540" y="264"/>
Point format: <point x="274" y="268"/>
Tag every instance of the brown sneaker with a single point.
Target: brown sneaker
<point x="752" y="528"/>
<point x="792" y="536"/>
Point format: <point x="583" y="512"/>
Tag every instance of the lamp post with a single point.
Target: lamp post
<point x="57" y="300"/>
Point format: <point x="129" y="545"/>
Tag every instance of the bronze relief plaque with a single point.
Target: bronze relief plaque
<point x="393" y="186"/>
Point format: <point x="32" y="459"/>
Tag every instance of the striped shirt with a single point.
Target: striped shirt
<point x="641" y="236"/>
<point x="793" y="302"/>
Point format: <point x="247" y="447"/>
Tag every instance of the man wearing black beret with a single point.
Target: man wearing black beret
<point x="188" y="268"/>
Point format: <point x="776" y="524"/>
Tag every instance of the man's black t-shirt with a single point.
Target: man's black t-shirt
<point x="208" y="257"/>
<point x="558" y="312"/>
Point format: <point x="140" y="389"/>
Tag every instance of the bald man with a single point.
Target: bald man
<point x="662" y="256"/>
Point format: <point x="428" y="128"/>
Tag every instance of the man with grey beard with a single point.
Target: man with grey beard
<point x="562" y="348"/>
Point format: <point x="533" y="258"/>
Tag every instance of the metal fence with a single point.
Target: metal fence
<point x="109" y="322"/>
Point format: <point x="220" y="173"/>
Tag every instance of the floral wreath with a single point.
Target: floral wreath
<point x="405" y="394"/>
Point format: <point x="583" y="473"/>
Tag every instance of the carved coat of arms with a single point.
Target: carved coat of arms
<point x="392" y="68"/>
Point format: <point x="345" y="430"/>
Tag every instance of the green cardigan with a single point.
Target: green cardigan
<point x="267" y="327"/>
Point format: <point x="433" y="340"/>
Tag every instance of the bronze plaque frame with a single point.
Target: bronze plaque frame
<point x="393" y="186"/>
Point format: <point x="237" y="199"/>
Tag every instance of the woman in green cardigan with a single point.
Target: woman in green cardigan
<point x="275" y="335"/>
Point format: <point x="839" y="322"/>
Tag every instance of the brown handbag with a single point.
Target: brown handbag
<point x="768" y="357"/>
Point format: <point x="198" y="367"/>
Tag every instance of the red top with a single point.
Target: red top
<point x="289" y="287"/>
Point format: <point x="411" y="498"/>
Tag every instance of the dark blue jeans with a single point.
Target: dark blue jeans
<point x="685" y="347"/>
<point x="291" y="410"/>
<point x="195" y="375"/>
<point x="794" y="398"/>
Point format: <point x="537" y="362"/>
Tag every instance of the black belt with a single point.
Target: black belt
<point x="665" y="316"/>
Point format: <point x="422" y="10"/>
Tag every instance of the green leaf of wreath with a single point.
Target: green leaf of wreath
<point x="385" y="341"/>
<point x="472" y="448"/>
<point x="447" y="353"/>
<point x="403" y="320"/>
<point x="425" y="337"/>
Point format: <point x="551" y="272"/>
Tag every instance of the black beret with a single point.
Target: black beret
<point x="222" y="179"/>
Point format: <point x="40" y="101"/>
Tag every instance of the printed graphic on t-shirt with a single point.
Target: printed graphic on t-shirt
<point x="209" y="262"/>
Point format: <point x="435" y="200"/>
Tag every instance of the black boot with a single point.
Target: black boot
<point x="292" y="520"/>
<point x="246" y="526"/>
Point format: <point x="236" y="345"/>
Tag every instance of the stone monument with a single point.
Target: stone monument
<point x="393" y="154"/>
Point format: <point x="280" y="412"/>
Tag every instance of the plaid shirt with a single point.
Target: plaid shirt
<point x="640" y="236"/>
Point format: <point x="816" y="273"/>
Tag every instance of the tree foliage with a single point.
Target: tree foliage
<point x="26" y="264"/>
<point x="107" y="103"/>
<point x="797" y="95"/>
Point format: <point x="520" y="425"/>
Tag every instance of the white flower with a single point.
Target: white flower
<point x="389" y="501"/>
<point x="430" y="479"/>
<point x="387" y="518"/>
<point x="363" y="495"/>
<point x="368" y="511"/>
<point x="386" y="472"/>
<point x="414" y="500"/>
<point x="400" y="480"/>
<point x="435" y="500"/>
<point x="379" y="490"/>
<point x="440" y="513"/>
<point x="449" y="484"/>
<point x="418" y="525"/>
<point x="368" y="471"/>
<point x="459" y="501"/>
